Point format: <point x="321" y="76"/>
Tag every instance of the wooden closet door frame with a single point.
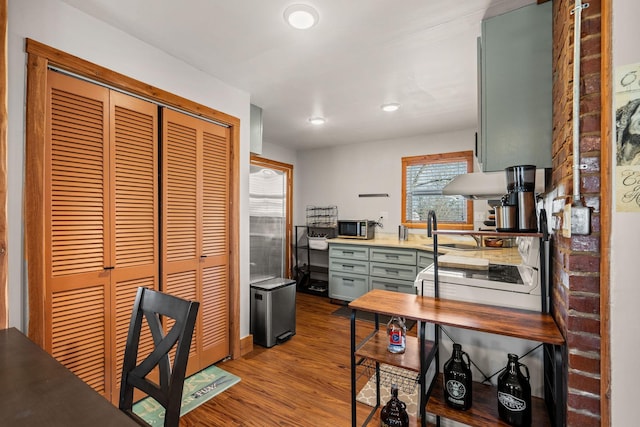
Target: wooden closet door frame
<point x="4" y="225"/>
<point x="40" y="58"/>
<point x="287" y="169"/>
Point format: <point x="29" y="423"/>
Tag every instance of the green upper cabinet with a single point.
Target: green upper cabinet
<point x="515" y="76"/>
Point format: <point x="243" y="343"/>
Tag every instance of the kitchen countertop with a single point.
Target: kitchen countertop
<point x="424" y="243"/>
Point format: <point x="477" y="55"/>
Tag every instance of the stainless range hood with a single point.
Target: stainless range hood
<point x="486" y="185"/>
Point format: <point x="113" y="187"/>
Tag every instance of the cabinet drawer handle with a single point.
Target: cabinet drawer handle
<point x="392" y="256"/>
<point x="346" y="279"/>
<point x="347" y="252"/>
<point x="391" y="287"/>
<point x="347" y="266"/>
<point x="396" y="272"/>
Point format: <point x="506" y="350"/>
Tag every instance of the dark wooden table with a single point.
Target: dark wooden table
<point x="36" y="390"/>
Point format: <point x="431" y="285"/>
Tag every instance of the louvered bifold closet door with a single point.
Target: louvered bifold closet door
<point x="181" y="214"/>
<point x="102" y="224"/>
<point x="215" y="243"/>
<point x="77" y="229"/>
<point x="134" y="184"/>
<point x="195" y="231"/>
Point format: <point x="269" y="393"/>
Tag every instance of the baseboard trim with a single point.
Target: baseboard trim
<point x="246" y="345"/>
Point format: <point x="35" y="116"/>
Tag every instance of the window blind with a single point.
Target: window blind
<point x="424" y="184"/>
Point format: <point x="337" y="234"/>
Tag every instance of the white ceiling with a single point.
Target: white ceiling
<point x="361" y="54"/>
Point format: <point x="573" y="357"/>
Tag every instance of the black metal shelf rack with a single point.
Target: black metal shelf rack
<point x="310" y="278"/>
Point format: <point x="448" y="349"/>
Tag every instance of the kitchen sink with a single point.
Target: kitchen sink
<point x="462" y="246"/>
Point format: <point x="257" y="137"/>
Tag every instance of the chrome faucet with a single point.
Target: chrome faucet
<point x="478" y="240"/>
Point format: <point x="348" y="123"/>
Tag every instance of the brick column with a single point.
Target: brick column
<point x="575" y="263"/>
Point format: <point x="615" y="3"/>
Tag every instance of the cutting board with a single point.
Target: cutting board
<point x="455" y="261"/>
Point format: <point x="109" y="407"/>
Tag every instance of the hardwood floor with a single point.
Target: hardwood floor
<point x="303" y="382"/>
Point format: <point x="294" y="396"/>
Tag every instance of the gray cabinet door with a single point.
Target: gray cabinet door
<point x="425" y="259"/>
<point x="392" y="271"/>
<point x="349" y="266"/>
<point x="392" y="285"/>
<point x="347" y="286"/>
<point x="516" y="99"/>
<point x="395" y="256"/>
<point x="349" y="252"/>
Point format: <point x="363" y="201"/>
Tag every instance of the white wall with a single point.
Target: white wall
<point x="278" y="153"/>
<point x="625" y="247"/>
<point x="282" y="154"/>
<point x="337" y="175"/>
<point x="62" y="27"/>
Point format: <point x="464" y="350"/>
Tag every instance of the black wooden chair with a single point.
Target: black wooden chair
<point x="153" y="304"/>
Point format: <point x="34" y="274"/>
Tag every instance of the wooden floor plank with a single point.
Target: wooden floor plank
<point x="302" y="382"/>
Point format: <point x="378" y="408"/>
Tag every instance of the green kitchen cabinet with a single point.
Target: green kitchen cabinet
<point x="515" y="84"/>
<point x="392" y="269"/>
<point x="392" y="255"/>
<point x="355" y="269"/>
<point x="425" y="259"/>
<point x="348" y="271"/>
<point x="395" y="285"/>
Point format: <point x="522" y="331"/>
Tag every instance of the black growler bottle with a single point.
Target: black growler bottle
<point x="514" y="394"/>
<point x="457" y="379"/>
<point x="394" y="413"/>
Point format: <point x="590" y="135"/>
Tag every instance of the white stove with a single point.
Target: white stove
<point x="506" y="285"/>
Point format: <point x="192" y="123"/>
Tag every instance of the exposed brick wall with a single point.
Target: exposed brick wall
<point x="575" y="264"/>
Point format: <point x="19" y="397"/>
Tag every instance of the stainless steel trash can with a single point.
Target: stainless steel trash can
<point x="273" y="311"/>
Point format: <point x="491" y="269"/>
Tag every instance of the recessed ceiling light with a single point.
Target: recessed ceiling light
<point x="393" y="106"/>
<point x="301" y="16"/>
<point x="317" y="120"/>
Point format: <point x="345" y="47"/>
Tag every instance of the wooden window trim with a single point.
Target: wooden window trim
<point x="607" y="127"/>
<point x="40" y="57"/>
<point x="436" y="158"/>
<point x="4" y="224"/>
<point x="287" y="169"/>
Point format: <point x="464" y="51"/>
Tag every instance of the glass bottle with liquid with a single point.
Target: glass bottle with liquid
<point x="514" y="394"/>
<point x="458" y="380"/>
<point x="397" y="333"/>
<point x="394" y="413"/>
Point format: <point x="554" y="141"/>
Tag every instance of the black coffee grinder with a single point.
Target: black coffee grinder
<point x="521" y="183"/>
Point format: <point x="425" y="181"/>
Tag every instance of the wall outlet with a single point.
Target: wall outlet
<point x="384" y="215"/>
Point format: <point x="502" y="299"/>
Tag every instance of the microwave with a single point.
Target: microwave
<point x="356" y="229"/>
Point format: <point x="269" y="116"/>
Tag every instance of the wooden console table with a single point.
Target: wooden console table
<point x="511" y="322"/>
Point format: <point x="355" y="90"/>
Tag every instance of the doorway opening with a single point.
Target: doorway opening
<point x="270" y="211"/>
